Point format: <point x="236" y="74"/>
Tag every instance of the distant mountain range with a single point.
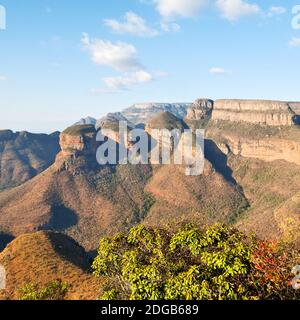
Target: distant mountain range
<point x="24" y="155"/>
<point x="140" y="113"/>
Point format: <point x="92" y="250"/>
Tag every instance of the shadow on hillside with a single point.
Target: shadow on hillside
<point x="61" y="219"/>
<point x="5" y="239"/>
<point x="70" y="250"/>
<point x="219" y="160"/>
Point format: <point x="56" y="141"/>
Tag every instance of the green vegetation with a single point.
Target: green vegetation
<point x="253" y="131"/>
<point x="78" y="130"/>
<point x="55" y="290"/>
<point x="166" y="120"/>
<point x="218" y="263"/>
<point x="141" y="213"/>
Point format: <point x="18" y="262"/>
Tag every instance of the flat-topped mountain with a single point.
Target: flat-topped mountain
<point x="271" y="113"/>
<point x="142" y="112"/>
<point x="24" y="155"/>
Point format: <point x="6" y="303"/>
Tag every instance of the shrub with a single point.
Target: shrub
<point x="55" y="290"/>
<point x="219" y="263"/>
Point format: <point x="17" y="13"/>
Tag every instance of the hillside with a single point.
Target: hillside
<point x="23" y="155"/>
<point x="84" y="200"/>
<point x="41" y="257"/>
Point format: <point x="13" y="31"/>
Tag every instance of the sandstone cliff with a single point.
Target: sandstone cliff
<point x="271" y="113"/>
<point x="201" y="109"/>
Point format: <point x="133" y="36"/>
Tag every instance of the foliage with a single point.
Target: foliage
<point x="55" y="290"/>
<point x="272" y="265"/>
<point x="218" y="263"/>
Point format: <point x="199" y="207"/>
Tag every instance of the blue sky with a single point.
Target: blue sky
<point x="61" y="60"/>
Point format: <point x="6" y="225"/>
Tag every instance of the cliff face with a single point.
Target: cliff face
<point x="201" y="109"/>
<point x="267" y="149"/>
<point x="271" y="113"/>
<point x="78" y="143"/>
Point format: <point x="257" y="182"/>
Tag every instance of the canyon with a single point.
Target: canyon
<point x="251" y="180"/>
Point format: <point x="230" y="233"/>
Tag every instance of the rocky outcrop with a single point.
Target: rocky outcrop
<point x="267" y="149"/>
<point x="201" y="109"/>
<point x="78" y="149"/>
<point x="78" y="141"/>
<point x="271" y="113"/>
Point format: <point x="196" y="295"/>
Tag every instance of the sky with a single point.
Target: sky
<point x="61" y="60"/>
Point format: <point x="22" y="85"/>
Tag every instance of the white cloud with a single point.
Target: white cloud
<point x="217" y="70"/>
<point x="295" y="42"/>
<point x="276" y="11"/>
<point x="127" y="81"/>
<point x="120" y="56"/>
<point x="179" y="8"/>
<point x="170" y="26"/>
<point x="3" y="78"/>
<point x="133" y="24"/>
<point x="234" y="9"/>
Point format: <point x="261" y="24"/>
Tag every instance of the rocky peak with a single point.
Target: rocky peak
<point x="201" y="109"/>
<point x="78" y="140"/>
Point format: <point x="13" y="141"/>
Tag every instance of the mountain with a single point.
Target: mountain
<point x="259" y="142"/>
<point x="42" y="257"/>
<point x="251" y="180"/>
<point x="165" y="120"/>
<point x="142" y="112"/>
<point x="24" y="155"/>
<point x="86" y="121"/>
<point x="111" y="121"/>
<point x="78" y="197"/>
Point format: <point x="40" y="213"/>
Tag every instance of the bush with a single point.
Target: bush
<point x="219" y="263"/>
<point x="55" y="290"/>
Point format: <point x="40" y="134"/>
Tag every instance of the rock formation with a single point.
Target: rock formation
<point x="201" y="109"/>
<point x="271" y="113"/>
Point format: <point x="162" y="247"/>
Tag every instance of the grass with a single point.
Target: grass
<point x="255" y="131"/>
<point x="166" y="120"/>
<point x="79" y="130"/>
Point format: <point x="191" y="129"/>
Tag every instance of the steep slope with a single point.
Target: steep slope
<point x="258" y="143"/>
<point x="204" y="199"/>
<point x="86" y="201"/>
<point x="41" y="257"/>
<point x="24" y="155"/>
